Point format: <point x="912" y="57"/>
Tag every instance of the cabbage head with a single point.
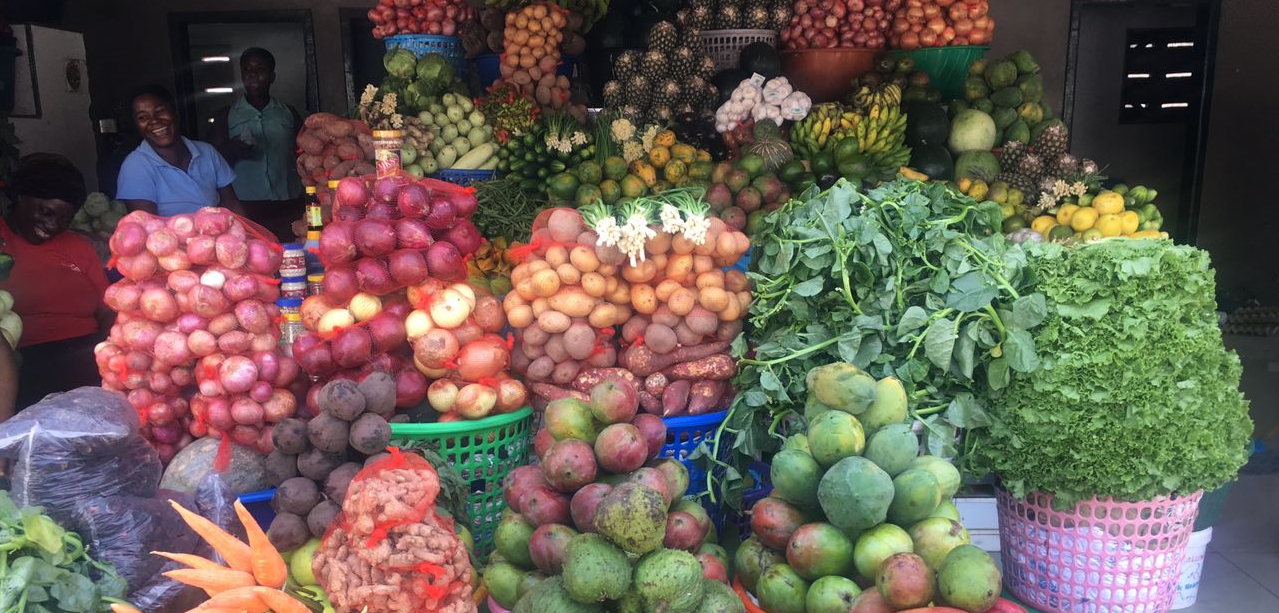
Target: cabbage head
<point x="399" y="63"/>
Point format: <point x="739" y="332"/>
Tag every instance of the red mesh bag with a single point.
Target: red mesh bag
<point x="389" y="550"/>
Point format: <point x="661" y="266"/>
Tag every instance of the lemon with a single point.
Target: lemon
<point x="1065" y="213"/>
<point x="1129" y="222"/>
<point x="1084" y="219"/>
<point x="1043" y="224"/>
<point x="1090" y="235"/>
<point x="1108" y="203"/>
<point x="1007" y="210"/>
<point x="1110" y="225"/>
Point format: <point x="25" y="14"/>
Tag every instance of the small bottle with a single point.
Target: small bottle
<point x="314" y="224"/>
<point x="386" y="152"/>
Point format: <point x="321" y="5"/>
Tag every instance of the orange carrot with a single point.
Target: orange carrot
<point x="237" y="554"/>
<point x="239" y="599"/>
<point x="192" y="561"/>
<point x="268" y="567"/>
<point x="279" y="602"/>
<point x="213" y="581"/>
<point x="123" y="608"/>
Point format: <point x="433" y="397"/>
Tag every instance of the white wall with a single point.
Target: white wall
<point x="64" y="125"/>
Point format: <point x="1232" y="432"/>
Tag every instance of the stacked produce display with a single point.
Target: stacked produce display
<point x="531" y="58"/>
<point x="1011" y="92"/>
<point x="195" y="340"/>
<point x="440" y="17"/>
<point x="333" y="147"/>
<point x="600" y="524"/>
<point x="853" y="499"/>
<point x="394" y="299"/>
<point x="668" y="79"/>
<point x="939" y="23"/>
<point x="637" y="292"/>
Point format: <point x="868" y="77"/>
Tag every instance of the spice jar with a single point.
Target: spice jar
<point x="294" y="263"/>
<point x="293" y="288"/>
<point x="386" y="152"/>
<point x="290" y="322"/>
<point x="315" y="284"/>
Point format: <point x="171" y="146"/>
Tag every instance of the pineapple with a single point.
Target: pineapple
<point x="692" y="91"/>
<point x="700" y="18"/>
<point x="685" y="110"/>
<point x="682" y="18"/>
<point x="779" y="17"/>
<point x="626" y="65"/>
<point x="1019" y="182"/>
<point x="728" y="18"/>
<point x="661" y="113"/>
<point x="1031" y="165"/>
<point x="705" y="67"/>
<point x="1052" y="142"/>
<point x="1065" y="165"/>
<point x="613" y="94"/>
<point x="662" y="37"/>
<point x="653" y="65"/>
<point x="683" y="62"/>
<point x="667" y="94"/>
<point x="755" y="15"/>
<point x="638" y="92"/>
<point x="1089" y="167"/>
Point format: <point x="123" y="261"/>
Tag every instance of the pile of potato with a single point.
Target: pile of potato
<point x="314" y="461"/>
<point x="584" y="313"/>
<point x="532" y="40"/>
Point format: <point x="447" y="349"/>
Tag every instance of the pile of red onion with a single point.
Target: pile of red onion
<point x="395" y="298"/>
<point x="391" y="17"/>
<point x="195" y="342"/>
<point x="818" y="24"/>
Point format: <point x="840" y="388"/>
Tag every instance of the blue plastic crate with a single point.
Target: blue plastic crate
<point x="465" y="178"/>
<point x="760" y="472"/>
<point x="684" y="435"/>
<point x="743" y="264"/>
<point x="489" y="67"/>
<point x="421" y="44"/>
<point x="259" y="506"/>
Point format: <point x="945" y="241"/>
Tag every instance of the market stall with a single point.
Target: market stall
<point x="721" y="322"/>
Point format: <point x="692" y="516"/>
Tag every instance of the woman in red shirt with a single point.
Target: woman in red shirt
<point x="57" y="280"/>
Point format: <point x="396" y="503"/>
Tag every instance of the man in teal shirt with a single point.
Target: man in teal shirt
<point x="257" y="135"/>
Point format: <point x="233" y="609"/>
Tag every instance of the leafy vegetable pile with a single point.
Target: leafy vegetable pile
<point x="1136" y="396"/>
<point x="44" y="569"/>
<point x="910" y="280"/>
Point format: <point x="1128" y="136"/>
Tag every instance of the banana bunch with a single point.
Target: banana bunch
<point x="825" y="125"/>
<point x="881" y="135"/>
<point x="868" y="97"/>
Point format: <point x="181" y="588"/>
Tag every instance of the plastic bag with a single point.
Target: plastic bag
<point x="79" y="444"/>
<point x="389" y="550"/>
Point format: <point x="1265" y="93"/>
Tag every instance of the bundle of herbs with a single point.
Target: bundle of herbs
<point x="910" y="280"/>
<point x="45" y="569"/>
<point x="1136" y="396"/>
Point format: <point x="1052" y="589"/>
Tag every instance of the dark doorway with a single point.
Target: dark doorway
<point x="361" y="53"/>
<point x="1138" y="91"/>
<point x="206" y="52"/>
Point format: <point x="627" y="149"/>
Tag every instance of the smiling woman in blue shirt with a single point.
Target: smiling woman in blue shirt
<point x="169" y="174"/>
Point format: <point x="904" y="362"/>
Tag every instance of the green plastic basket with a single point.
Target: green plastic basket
<point x="484" y="451"/>
<point x="946" y="66"/>
<point x="1211" y="506"/>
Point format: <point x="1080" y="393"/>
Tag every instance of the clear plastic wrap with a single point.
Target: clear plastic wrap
<point x="80" y="444"/>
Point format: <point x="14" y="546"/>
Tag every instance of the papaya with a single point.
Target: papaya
<point x="632" y="186"/>
<point x="1004" y="117"/>
<point x="1007" y="97"/>
<point x="889" y="406"/>
<point x="614" y="167"/>
<point x="843" y="387"/>
<point x="975" y="89"/>
<point x="835" y="435"/>
<point x="1031" y="112"/>
<point x="590" y="172"/>
<point x="1017" y="131"/>
<point x="892" y="448"/>
<point x="1025" y="63"/>
<point x="916" y="495"/>
<point x="795" y="475"/>
<point x="1000" y="74"/>
<point x="1032" y="87"/>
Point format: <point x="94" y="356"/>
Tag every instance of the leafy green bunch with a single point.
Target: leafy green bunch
<point x="910" y="280"/>
<point x="1136" y="397"/>
<point x="45" y="569"/>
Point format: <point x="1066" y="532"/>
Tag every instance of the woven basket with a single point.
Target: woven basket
<point x="724" y="46"/>
<point x="1099" y="557"/>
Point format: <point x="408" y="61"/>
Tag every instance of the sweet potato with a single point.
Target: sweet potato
<point x="591" y="377"/>
<point x="554" y="392"/>
<point x="650" y="403"/>
<point x="643" y="361"/>
<point x="718" y="367"/>
<point x="704" y="397"/>
<point x="655" y="383"/>
<point x="675" y="398"/>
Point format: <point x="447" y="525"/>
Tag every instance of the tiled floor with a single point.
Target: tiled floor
<point x="1241" y="570"/>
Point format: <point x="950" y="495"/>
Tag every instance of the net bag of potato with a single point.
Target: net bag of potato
<point x="389" y="550"/>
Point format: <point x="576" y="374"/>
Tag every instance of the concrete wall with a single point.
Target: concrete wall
<point x="63" y="126"/>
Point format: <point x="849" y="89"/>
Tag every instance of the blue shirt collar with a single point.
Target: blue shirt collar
<point x="243" y="102"/>
<point x="155" y="158"/>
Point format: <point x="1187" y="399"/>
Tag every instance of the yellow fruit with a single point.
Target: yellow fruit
<point x="1083" y="218"/>
<point x="979" y="190"/>
<point x="703" y="155"/>
<point x="659" y="156"/>
<point x="1108" y="203"/>
<point x="1110" y="225"/>
<point x="665" y="138"/>
<point x="1043" y="224"/>
<point x="1130" y="221"/>
<point x="1065" y="213"/>
<point x="1149" y="234"/>
<point x="965" y="184"/>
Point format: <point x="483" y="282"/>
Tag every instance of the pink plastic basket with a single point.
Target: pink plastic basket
<point x="1099" y="557"/>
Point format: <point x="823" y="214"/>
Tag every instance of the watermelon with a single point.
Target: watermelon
<point x="760" y="58"/>
<point x="976" y="165"/>
<point x="972" y="130"/>
<point x="926" y="123"/>
<point x="933" y="160"/>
